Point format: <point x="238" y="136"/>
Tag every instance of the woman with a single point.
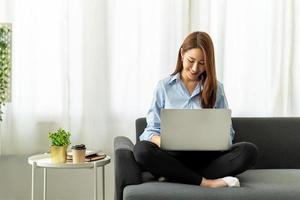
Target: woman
<point x="192" y="85"/>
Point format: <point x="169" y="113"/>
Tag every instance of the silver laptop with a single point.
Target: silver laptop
<point x="195" y="129"/>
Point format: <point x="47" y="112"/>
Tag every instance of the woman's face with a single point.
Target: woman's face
<point x="193" y="64"/>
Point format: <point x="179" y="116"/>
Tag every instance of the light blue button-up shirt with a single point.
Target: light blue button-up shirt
<point x="170" y="93"/>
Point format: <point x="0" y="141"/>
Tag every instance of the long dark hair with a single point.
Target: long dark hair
<point x="208" y="78"/>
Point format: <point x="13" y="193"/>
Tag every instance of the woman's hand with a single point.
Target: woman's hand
<point x="156" y="140"/>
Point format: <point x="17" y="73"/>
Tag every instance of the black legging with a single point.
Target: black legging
<point x="190" y="166"/>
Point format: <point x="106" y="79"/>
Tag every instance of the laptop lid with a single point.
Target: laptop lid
<point x="195" y="129"/>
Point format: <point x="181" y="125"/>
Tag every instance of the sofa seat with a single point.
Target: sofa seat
<point x="265" y="184"/>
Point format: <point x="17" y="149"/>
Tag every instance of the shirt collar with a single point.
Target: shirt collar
<point x="174" y="78"/>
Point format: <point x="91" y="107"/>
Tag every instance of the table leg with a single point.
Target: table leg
<point x="45" y="184"/>
<point x="103" y="182"/>
<point x="32" y="179"/>
<point x="95" y="181"/>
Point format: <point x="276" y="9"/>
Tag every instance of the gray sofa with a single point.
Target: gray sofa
<point x="276" y="175"/>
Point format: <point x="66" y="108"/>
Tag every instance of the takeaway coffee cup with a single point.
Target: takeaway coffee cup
<point x="78" y="153"/>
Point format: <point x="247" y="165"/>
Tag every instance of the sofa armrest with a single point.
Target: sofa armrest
<point x="127" y="171"/>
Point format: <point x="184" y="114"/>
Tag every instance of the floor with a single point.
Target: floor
<point x="63" y="184"/>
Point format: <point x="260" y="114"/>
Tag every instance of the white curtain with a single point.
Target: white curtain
<point x="91" y="66"/>
<point x="256" y="44"/>
<point x="144" y="40"/>
<point x="262" y="58"/>
<point x="86" y="66"/>
<point x="59" y="70"/>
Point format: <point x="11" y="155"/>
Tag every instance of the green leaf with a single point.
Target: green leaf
<point x="59" y="138"/>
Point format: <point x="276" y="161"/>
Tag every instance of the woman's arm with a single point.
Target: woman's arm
<point x="221" y="102"/>
<point x="153" y="116"/>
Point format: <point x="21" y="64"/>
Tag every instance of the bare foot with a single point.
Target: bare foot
<point x="213" y="183"/>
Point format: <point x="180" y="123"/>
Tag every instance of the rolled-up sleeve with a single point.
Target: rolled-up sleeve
<point x="221" y="102"/>
<point x="153" y="115"/>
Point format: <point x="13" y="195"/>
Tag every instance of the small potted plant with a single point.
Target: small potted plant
<point x="59" y="145"/>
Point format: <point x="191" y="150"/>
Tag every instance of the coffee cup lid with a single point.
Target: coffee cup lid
<point x="78" y="146"/>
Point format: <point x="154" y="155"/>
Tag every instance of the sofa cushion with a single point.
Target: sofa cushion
<point x="266" y="184"/>
<point x="275" y="137"/>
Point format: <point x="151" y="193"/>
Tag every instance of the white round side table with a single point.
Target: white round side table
<point x="44" y="161"/>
